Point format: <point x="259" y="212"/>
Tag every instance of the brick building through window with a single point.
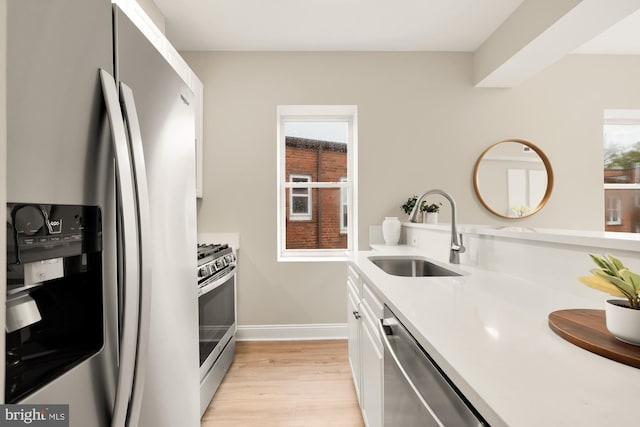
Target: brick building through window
<point x="622" y="200"/>
<point x="315" y="217"/>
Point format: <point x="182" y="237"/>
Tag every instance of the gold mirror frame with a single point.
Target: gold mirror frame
<point x="545" y="161"/>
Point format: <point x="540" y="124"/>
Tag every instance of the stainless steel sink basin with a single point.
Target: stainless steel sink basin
<point x="411" y="267"/>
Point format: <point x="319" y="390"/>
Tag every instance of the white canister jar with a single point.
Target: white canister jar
<point x="391" y="230"/>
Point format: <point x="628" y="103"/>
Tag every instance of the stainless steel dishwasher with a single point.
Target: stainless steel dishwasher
<point x="416" y="391"/>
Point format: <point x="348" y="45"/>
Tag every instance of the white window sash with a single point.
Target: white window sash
<point x="300" y="216"/>
<point x="329" y="113"/>
<point x="313" y="184"/>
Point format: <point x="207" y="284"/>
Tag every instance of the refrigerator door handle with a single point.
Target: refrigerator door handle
<point x="128" y="243"/>
<point x="145" y="254"/>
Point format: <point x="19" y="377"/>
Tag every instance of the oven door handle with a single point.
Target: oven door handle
<point x="216" y="283"/>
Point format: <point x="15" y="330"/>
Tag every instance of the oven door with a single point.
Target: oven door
<point x="216" y="313"/>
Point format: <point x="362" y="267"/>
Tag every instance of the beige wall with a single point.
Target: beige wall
<point x="3" y="174"/>
<point x="421" y="126"/>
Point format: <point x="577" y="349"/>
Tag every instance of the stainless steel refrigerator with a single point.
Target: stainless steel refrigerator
<point x="102" y="307"/>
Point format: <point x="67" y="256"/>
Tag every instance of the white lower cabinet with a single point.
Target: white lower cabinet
<point x="365" y="348"/>
<point x="371" y="375"/>
<point x="353" y="325"/>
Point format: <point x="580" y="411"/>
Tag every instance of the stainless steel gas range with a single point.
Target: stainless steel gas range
<point x="217" y="316"/>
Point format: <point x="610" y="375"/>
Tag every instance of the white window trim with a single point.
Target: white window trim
<point x="622" y="117"/>
<point x="622" y="186"/>
<point x="293" y="216"/>
<point x="317" y="113"/>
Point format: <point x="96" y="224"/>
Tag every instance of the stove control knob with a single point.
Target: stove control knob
<point x="203" y="272"/>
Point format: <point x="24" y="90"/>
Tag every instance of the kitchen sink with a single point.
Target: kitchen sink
<point x="411" y="267"/>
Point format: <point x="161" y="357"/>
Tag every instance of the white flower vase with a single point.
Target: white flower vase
<point x="391" y="230"/>
<point x="431" y="217"/>
<point x="623" y="322"/>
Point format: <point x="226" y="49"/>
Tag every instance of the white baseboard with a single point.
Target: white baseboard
<point x="328" y="331"/>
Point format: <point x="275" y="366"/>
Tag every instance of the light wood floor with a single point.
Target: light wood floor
<point x="286" y="384"/>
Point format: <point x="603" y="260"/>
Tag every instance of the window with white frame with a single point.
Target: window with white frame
<point x="300" y="199"/>
<point x="621" y="169"/>
<point x="316" y="182"/>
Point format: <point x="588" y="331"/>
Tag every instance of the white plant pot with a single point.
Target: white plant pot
<point x="391" y="230"/>
<point x="431" y="217"/>
<point x="623" y="322"/>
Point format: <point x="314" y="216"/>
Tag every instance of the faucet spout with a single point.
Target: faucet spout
<point x="456" y="239"/>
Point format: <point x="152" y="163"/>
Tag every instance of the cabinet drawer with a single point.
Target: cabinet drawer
<point x="372" y="301"/>
<point x="370" y="323"/>
<point x="353" y="278"/>
<point x="353" y="289"/>
<point x="352" y="272"/>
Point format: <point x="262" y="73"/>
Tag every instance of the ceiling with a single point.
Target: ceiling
<point x="356" y="25"/>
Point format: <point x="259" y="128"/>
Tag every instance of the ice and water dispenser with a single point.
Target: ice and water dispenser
<point x="54" y="293"/>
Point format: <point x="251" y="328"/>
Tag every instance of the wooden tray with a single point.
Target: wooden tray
<point x="587" y="329"/>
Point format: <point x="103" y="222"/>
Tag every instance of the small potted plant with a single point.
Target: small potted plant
<point x="407" y="206"/>
<point x="430" y="212"/>
<point x="622" y="315"/>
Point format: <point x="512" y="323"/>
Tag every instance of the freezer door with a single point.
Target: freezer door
<point x="55" y="116"/>
<point x="59" y="151"/>
<point x="165" y="111"/>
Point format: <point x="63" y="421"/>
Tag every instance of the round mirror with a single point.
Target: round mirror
<point x="513" y="179"/>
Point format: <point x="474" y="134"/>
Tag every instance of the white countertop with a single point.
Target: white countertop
<point x="489" y="333"/>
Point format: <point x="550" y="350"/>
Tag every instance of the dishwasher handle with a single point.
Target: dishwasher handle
<point x="385" y="330"/>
